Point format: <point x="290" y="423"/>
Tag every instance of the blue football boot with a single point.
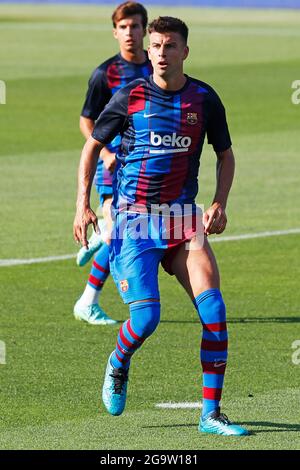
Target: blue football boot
<point x="114" y="389"/>
<point x="92" y="314"/>
<point x="95" y="242"/>
<point x="218" y="423"/>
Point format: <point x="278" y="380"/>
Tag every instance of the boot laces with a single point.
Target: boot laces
<point x="223" y="419"/>
<point x="120" y="377"/>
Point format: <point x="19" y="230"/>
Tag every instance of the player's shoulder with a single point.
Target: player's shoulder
<point x="101" y="69"/>
<point x="112" y="60"/>
<point x="137" y="83"/>
<point x="203" y="87"/>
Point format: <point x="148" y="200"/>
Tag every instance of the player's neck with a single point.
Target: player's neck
<point x="173" y="83"/>
<point x="137" y="57"/>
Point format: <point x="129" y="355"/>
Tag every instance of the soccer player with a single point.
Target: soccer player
<point x="164" y="120"/>
<point x="129" y="22"/>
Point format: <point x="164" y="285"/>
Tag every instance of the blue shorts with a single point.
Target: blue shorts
<point x="135" y="258"/>
<point x="104" y="191"/>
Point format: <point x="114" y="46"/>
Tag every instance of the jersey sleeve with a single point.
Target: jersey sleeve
<point x="217" y="129"/>
<point x="97" y="96"/>
<point x="113" y="119"/>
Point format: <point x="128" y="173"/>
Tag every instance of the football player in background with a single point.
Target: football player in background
<point x="129" y="28"/>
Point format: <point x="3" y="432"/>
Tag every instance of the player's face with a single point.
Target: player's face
<point x="167" y="51"/>
<point x="130" y="33"/>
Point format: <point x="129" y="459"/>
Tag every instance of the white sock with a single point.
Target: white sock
<point x="90" y="296"/>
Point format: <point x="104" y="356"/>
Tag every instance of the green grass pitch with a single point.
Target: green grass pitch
<point x="50" y="385"/>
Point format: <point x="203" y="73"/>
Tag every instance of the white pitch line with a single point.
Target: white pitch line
<point x="179" y="405"/>
<point x="249" y="236"/>
<point x="17" y="262"/>
<point x="246" y="236"/>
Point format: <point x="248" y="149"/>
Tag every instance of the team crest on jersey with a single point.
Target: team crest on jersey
<point x="124" y="285"/>
<point x="192" y="118"/>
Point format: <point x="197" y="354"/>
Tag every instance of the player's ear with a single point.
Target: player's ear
<point x="145" y="32"/>
<point x="115" y="35"/>
<point x="186" y="52"/>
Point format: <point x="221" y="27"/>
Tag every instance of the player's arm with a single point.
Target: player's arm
<point x="111" y="122"/>
<point x="109" y="158"/>
<point x="214" y="218"/>
<point x="84" y="214"/>
<point x="86" y="126"/>
<point x="97" y="96"/>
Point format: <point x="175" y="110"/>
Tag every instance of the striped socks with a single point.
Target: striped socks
<point x="97" y="277"/>
<point x="212" y="313"/>
<point x="144" y="318"/>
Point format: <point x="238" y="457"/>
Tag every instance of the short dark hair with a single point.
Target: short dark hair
<point x="167" y="24"/>
<point x="129" y="9"/>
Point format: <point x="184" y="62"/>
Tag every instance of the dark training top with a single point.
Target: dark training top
<point x="162" y="138"/>
<point x="105" y="81"/>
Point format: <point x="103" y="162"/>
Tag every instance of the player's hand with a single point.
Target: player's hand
<point x="109" y="160"/>
<point x="214" y="219"/>
<point x="83" y="218"/>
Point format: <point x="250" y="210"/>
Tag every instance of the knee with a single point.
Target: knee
<point x="145" y="316"/>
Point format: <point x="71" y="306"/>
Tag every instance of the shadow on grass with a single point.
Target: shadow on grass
<point x="275" y="427"/>
<point x="265" y="320"/>
<point x="246" y="320"/>
<point x="192" y="425"/>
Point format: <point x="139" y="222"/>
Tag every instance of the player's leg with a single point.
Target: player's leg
<point x="87" y="308"/>
<point x="135" y="271"/>
<point x="197" y="271"/>
<point x="144" y="318"/>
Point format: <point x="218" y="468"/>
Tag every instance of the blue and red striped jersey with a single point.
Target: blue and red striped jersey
<point x="162" y="138"/>
<point x="104" y="82"/>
